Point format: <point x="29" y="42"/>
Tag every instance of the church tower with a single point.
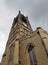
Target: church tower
<point x="24" y="46"/>
<point x="21" y="27"/>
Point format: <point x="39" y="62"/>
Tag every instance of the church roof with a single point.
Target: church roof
<point x="44" y="36"/>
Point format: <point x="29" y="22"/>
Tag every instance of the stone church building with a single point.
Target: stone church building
<point x="25" y="46"/>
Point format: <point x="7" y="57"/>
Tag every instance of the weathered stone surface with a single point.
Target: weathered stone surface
<point x="21" y="37"/>
<point x="0" y="63"/>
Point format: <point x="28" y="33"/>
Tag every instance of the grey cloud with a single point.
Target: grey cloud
<point x="35" y="8"/>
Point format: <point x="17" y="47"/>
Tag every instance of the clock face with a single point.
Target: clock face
<point x="24" y="24"/>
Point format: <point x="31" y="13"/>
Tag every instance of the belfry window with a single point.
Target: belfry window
<point x="24" y="21"/>
<point x="32" y="55"/>
<point x="15" y="21"/>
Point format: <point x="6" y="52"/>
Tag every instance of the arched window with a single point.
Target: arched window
<point x="11" y="55"/>
<point x="32" y="55"/>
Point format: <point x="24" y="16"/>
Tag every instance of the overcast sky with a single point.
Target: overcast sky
<point x="36" y="10"/>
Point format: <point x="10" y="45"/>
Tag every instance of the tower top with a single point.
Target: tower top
<point x="20" y="17"/>
<point x="21" y="20"/>
<point x="19" y="12"/>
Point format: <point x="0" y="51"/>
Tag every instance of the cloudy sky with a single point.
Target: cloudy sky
<point x="36" y="10"/>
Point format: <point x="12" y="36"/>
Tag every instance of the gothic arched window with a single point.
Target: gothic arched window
<point x="32" y="55"/>
<point x="11" y="55"/>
